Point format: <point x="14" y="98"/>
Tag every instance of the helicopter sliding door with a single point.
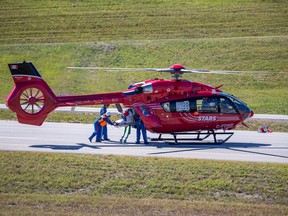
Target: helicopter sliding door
<point x="191" y="114"/>
<point x="202" y="113"/>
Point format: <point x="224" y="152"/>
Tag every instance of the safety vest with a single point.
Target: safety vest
<point x="102" y="122"/>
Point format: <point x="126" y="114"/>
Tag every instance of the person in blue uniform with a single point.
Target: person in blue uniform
<point x="103" y="110"/>
<point x="140" y="127"/>
<point x="98" y="126"/>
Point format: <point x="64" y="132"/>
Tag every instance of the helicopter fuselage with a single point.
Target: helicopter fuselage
<point x="165" y="106"/>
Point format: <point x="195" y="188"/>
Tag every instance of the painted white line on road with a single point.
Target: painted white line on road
<point x="27" y="138"/>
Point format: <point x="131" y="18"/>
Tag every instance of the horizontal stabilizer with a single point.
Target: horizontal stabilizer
<point x="24" y="68"/>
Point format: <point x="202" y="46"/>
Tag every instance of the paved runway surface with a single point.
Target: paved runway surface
<point x="73" y="138"/>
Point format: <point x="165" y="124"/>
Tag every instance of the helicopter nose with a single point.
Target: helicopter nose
<point x="247" y="115"/>
<point x="251" y="114"/>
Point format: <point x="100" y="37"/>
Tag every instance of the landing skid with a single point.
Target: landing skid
<point x="200" y="136"/>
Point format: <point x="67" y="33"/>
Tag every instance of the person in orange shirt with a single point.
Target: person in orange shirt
<point x="99" y="124"/>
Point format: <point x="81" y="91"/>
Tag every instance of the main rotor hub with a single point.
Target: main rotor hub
<point x="177" y="67"/>
<point x="176" y="70"/>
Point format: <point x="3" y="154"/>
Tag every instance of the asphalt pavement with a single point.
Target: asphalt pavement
<point x="73" y="138"/>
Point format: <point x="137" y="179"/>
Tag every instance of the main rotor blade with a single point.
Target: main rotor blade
<point x="169" y="70"/>
<point x="222" y="71"/>
<point x="108" y="69"/>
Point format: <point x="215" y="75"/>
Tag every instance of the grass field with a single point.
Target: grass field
<point x="74" y="184"/>
<point x="65" y="21"/>
<point x="248" y="35"/>
<point x="221" y="35"/>
<point x="264" y="93"/>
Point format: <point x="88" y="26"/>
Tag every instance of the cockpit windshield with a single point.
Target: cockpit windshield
<point x="240" y="105"/>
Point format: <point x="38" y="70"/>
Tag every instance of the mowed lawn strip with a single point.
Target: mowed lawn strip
<point x="28" y="204"/>
<point x="48" y="183"/>
<point x="143" y="177"/>
<point x="81" y="21"/>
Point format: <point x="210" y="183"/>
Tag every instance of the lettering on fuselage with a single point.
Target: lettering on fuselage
<point x="225" y="126"/>
<point x="207" y="118"/>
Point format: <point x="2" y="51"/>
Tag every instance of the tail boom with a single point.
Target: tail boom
<point x="93" y="99"/>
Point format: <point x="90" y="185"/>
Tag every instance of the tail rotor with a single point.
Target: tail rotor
<point x="32" y="100"/>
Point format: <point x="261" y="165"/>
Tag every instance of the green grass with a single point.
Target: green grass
<point x="143" y="177"/>
<point x="264" y="93"/>
<point x="65" y="21"/>
<point x="17" y="204"/>
<point x="221" y="35"/>
<point x="59" y="180"/>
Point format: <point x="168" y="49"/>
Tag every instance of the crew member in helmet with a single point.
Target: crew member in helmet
<point x="98" y="126"/>
<point x="103" y="110"/>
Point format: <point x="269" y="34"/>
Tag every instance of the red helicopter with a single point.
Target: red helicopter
<point x="176" y="106"/>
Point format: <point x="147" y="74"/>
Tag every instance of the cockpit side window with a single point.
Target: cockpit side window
<point x="207" y="105"/>
<point x="226" y="106"/>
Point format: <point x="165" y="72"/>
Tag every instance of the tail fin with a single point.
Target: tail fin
<point x="31" y="98"/>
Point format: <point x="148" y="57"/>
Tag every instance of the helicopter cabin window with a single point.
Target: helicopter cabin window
<point x="166" y="106"/>
<point x="180" y="106"/>
<point x="201" y="105"/>
<point x="207" y="105"/>
<point x="188" y="105"/>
